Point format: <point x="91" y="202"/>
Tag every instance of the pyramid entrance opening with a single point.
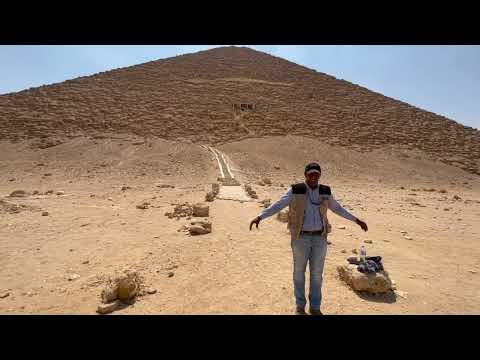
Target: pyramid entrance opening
<point x="243" y="107"/>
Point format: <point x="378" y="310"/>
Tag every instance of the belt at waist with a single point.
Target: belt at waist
<point x="316" y="232"/>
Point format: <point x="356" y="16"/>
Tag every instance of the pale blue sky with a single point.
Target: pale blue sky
<point x="441" y="79"/>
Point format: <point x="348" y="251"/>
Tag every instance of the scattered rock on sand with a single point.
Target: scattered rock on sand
<point x="127" y="289"/>
<point x="45" y="213"/>
<point x="407" y="237"/>
<point x="200" y="227"/>
<point x="197" y="230"/>
<point x="124" y="286"/>
<point x="353" y="260"/>
<point x="124" y="188"/>
<point x="456" y="197"/>
<point x="4" y="295"/>
<point x="201" y="210"/>
<point x="151" y="291"/>
<point x="283" y="216"/>
<point x="368" y="241"/>
<point x="11" y="208"/>
<point x="143" y="205"/>
<point x="266" y="203"/>
<point x="73" y="277"/>
<point x="402" y="294"/>
<point x="374" y="283"/>
<point x="48" y="192"/>
<point x="109" y="292"/>
<point x="181" y="210"/>
<point x="19" y="193"/>
<point x="165" y="186"/>
<point x="210" y="196"/>
<point x="60" y="192"/>
<point x="251" y="192"/>
<point x="35" y="192"/>
<point x="47" y="174"/>
<point x="170" y="274"/>
<point x="108" y="308"/>
<point x="343" y="251"/>
<point x="267" y="181"/>
<point x="354" y="251"/>
<point x="343" y="227"/>
<point x="394" y="285"/>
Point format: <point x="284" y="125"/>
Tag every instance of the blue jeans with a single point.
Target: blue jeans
<point x="311" y="249"/>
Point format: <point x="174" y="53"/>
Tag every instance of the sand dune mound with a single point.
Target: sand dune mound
<point x="155" y="160"/>
<point x="282" y="158"/>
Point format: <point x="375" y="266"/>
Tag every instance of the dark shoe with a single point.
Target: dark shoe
<point x="300" y="311"/>
<point x="315" y="312"/>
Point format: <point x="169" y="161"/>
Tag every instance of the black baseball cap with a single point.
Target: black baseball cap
<point x="312" y="168"/>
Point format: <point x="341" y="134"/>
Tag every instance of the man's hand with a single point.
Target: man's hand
<point x="255" y="221"/>
<point x="362" y="224"/>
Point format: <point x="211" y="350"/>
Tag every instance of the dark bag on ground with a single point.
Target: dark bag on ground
<point x="372" y="264"/>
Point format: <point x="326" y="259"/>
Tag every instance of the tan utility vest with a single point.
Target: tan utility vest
<point x="296" y="209"/>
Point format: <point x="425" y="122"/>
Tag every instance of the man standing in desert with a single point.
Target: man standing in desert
<point x="308" y="224"/>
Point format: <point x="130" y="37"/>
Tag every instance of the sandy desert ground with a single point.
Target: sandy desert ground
<point x="57" y="264"/>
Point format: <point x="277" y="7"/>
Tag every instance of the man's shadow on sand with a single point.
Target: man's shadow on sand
<point x="387" y="298"/>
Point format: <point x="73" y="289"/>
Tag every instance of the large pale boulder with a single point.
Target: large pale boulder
<point x="374" y="283"/>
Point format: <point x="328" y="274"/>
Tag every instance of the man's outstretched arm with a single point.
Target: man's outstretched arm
<point x="274" y="208"/>
<point x="340" y="211"/>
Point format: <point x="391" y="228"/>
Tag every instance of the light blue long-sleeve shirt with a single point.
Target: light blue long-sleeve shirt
<point x="312" y="220"/>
